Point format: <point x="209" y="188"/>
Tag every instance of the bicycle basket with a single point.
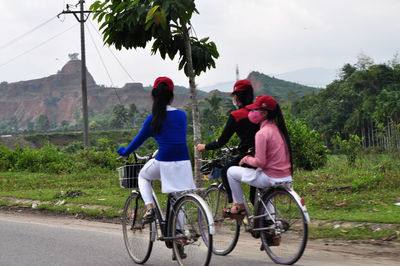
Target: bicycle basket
<point x="128" y="175"/>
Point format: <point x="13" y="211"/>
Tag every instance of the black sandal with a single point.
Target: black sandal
<point x="149" y="216"/>
<point x="227" y="213"/>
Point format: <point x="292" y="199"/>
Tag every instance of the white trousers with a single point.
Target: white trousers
<point x="174" y="176"/>
<point x="254" y="177"/>
<point x="151" y="171"/>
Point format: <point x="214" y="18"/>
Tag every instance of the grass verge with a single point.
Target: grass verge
<point x="363" y="193"/>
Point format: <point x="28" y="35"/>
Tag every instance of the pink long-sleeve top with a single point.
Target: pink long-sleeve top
<point x="271" y="154"/>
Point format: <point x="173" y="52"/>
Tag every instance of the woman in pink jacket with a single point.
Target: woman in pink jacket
<point x="272" y="154"/>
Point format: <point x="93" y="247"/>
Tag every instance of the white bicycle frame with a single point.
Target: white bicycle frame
<point x="289" y="188"/>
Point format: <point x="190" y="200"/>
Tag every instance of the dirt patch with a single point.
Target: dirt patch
<point x="18" y="210"/>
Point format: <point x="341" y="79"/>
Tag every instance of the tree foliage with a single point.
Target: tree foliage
<point x="132" y="24"/>
<point x="120" y="116"/>
<point x="42" y="123"/>
<point x="366" y="95"/>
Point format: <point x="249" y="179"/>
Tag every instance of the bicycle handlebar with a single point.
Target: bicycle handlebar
<point x="227" y="149"/>
<point x="139" y="157"/>
<point x="146" y="157"/>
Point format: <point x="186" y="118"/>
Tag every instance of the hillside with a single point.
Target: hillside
<point x="59" y="97"/>
<point x="283" y="91"/>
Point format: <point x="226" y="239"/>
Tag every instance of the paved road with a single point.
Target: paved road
<point x="42" y="240"/>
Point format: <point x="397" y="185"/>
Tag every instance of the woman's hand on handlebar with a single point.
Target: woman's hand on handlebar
<point x="201" y="147"/>
<point x="122" y="151"/>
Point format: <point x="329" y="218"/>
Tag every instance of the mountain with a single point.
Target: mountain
<point x="59" y="97"/>
<point x="264" y="84"/>
<point x="283" y="91"/>
<point x="315" y="77"/>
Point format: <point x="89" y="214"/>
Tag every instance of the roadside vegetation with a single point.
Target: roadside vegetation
<point x="346" y="154"/>
<point x="78" y="181"/>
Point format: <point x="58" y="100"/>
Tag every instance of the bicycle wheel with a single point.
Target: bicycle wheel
<point x="192" y="243"/>
<point x="226" y="230"/>
<point x="285" y="240"/>
<point x="137" y="236"/>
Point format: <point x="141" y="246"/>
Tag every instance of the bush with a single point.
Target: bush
<point x="73" y="147"/>
<point x="308" y="150"/>
<point x="89" y="158"/>
<point x="367" y="181"/>
<point x="47" y="159"/>
<point x="6" y="158"/>
<point x="349" y="147"/>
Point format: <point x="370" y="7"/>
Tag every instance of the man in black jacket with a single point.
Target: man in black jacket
<point x="238" y="123"/>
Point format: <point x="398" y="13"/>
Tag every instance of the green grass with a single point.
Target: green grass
<point x="358" y="232"/>
<point x="363" y="193"/>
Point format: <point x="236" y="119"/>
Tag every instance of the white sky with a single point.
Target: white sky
<point x="269" y="36"/>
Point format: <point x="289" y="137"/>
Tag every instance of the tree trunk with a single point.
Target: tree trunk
<point x="195" y="107"/>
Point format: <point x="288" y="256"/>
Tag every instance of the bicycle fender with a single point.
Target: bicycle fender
<point x="303" y="207"/>
<point x="207" y="210"/>
<point x="153" y="231"/>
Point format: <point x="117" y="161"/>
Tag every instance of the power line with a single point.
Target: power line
<point x="26" y="33"/>
<point x="35" y="47"/>
<point x="115" y="57"/>
<point x="104" y="65"/>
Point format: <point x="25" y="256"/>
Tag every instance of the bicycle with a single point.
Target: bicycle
<point x="226" y="230"/>
<point x="279" y="218"/>
<point x="187" y="226"/>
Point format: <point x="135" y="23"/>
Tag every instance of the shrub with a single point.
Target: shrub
<point x="89" y="158"/>
<point x="47" y="159"/>
<point x="367" y="181"/>
<point x="349" y="147"/>
<point x="6" y="158"/>
<point x="73" y="147"/>
<point x="308" y="150"/>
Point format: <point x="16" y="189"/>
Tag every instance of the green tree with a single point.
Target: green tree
<point x="14" y="123"/>
<point x="42" y="123"/>
<point x="350" y="147"/>
<point x="214" y="102"/>
<point x="134" y="23"/>
<point x="120" y="116"/>
<point x="346" y="71"/>
<point x="132" y="114"/>
<point x="29" y="124"/>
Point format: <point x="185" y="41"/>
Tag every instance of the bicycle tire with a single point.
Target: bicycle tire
<point x="137" y="236"/>
<point x="226" y="230"/>
<point x="192" y="244"/>
<point x="286" y="240"/>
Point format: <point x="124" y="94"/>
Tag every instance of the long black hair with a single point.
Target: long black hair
<point x="161" y="98"/>
<point x="245" y="97"/>
<point x="277" y="117"/>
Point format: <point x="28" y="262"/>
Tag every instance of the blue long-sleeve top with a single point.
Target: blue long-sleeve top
<point x="171" y="141"/>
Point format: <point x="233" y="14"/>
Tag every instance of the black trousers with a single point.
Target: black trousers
<point x="225" y="182"/>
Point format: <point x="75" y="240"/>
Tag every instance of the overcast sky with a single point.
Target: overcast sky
<point x="269" y="36"/>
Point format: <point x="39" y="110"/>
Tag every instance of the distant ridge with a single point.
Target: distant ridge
<point x="59" y="96"/>
<point x="283" y="91"/>
<point x="314" y="77"/>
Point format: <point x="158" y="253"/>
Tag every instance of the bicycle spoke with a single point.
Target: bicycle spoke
<point x="226" y="230"/>
<point x="136" y="234"/>
<point x="284" y="244"/>
<point x="190" y="225"/>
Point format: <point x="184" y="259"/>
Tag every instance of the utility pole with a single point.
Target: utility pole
<point x="82" y="19"/>
<point x="237" y="72"/>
